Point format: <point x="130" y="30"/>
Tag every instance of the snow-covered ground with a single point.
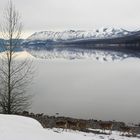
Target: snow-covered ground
<point x="14" y="127"/>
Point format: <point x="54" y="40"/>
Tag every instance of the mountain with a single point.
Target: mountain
<point x="78" y="35"/>
<point x="83" y="39"/>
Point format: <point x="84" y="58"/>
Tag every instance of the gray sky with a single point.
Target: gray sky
<point x="38" y="15"/>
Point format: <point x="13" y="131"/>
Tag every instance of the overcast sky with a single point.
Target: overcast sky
<point x="38" y="15"/>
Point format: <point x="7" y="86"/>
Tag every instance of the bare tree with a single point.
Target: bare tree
<point x="15" y="74"/>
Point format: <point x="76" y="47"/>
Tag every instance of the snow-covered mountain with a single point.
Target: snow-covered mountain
<point x="80" y="34"/>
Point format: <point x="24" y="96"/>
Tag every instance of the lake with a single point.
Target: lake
<point x="88" y="89"/>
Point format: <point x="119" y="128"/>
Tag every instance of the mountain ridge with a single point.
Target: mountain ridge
<point x="101" y="33"/>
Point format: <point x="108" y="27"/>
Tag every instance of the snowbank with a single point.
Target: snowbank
<point x="14" y="127"/>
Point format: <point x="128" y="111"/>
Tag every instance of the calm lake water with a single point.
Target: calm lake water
<point x="88" y="89"/>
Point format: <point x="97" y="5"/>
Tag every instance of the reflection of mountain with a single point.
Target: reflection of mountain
<point x="74" y="53"/>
